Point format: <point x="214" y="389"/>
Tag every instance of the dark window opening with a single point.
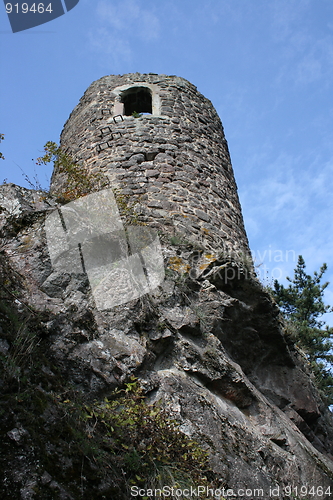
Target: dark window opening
<point x="137" y="100"/>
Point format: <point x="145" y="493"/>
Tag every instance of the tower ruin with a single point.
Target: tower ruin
<point x="161" y="143"/>
<point x="103" y="303"/>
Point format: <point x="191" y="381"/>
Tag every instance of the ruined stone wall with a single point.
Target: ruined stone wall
<point x="173" y="162"/>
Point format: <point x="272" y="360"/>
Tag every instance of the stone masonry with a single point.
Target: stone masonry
<point x="172" y="161"/>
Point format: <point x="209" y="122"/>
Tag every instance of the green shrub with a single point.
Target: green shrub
<point x="79" y="181"/>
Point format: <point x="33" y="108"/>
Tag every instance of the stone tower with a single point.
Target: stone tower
<point x="161" y="143"/>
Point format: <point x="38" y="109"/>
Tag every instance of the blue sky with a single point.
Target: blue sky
<point x="267" y="66"/>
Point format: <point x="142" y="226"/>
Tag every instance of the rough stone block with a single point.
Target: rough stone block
<point x="155" y="204"/>
<point x="202" y="215"/>
<point x="152" y="173"/>
<point x="167" y="168"/>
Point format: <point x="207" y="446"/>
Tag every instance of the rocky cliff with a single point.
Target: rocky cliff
<point x="210" y="354"/>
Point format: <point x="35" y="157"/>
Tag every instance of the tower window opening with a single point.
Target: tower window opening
<point x="137" y="100"/>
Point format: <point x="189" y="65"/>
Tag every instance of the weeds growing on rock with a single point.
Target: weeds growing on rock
<point x="93" y="449"/>
<point x="126" y="209"/>
<point x="79" y="181"/>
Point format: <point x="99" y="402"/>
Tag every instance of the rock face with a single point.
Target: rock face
<point x="208" y="342"/>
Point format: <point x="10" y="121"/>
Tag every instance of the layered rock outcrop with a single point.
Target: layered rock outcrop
<point x="211" y="348"/>
<point x="208" y="342"/>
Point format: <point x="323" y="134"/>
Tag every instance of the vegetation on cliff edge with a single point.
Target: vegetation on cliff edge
<point x="302" y="305"/>
<point x="66" y="441"/>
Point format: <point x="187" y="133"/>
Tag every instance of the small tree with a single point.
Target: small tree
<point x="79" y="181"/>
<point x="302" y="305"/>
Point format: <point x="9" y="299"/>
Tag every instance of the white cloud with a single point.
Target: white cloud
<point x="305" y="54"/>
<point x="120" y="26"/>
<point x="129" y="17"/>
<point x="103" y="40"/>
<point x="316" y="62"/>
<point x="292" y="185"/>
<point x="290" y="209"/>
<point x="286" y="16"/>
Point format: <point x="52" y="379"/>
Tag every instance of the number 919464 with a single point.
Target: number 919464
<point x="24" y="8"/>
